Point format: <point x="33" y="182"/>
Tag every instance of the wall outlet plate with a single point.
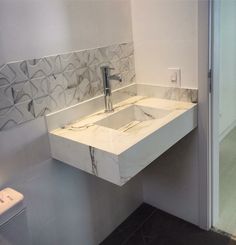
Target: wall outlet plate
<point x="174" y="76"/>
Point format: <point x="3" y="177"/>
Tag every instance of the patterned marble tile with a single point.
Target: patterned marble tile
<point x="57" y="86"/>
<point x="26" y="110"/>
<point x="9" y="117"/>
<point x="72" y="96"/>
<point x="127" y="49"/>
<point x="112" y="52"/>
<point x="19" y="71"/>
<point x="55" y="63"/>
<point x="131" y="62"/>
<point x="21" y="91"/>
<point x="57" y="80"/>
<point x="44" y="105"/>
<point x="94" y="74"/>
<point x="6" y="97"/>
<point x="125" y="64"/>
<point x="90" y="57"/>
<point x="72" y="77"/>
<point x="6" y="75"/>
<point x="38" y="68"/>
<point x="128" y="77"/>
<point x="69" y="62"/>
<point x="40" y="86"/>
<point x="95" y="58"/>
<point x="58" y="96"/>
<point x="15" y="115"/>
<point x="86" y="89"/>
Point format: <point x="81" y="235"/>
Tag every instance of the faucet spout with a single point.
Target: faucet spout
<point x="116" y="77"/>
<point x="107" y="77"/>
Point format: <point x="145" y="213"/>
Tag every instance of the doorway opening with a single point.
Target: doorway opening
<point x="224" y="115"/>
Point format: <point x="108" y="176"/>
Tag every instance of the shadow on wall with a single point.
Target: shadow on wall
<point x="171" y="182"/>
<point x="67" y="206"/>
<point x="64" y="204"/>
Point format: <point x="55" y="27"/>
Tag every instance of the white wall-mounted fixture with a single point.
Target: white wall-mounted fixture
<point x="174" y="76"/>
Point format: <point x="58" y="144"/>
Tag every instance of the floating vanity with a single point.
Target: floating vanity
<point x="116" y="146"/>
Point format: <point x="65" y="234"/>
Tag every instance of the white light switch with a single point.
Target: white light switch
<point x="175" y="76"/>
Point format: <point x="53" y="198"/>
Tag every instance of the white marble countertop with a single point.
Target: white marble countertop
<point x="95" y="144"/>
<point x="87" y="132"/>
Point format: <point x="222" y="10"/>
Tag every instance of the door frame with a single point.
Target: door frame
<point x="204" y="115"/>
<point x="214" y="122"/>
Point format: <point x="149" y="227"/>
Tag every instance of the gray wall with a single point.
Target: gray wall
<point x="170" y="183"/>
<point x="32" y="29"/>
<point x="64" y="205"/>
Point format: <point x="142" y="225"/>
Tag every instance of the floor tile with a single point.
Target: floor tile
<point x="130" y="225"/>
<point x="150" y="226"/>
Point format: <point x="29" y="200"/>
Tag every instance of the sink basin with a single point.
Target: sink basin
<point x="117" y="146"/>
<point x="132" y="118"/>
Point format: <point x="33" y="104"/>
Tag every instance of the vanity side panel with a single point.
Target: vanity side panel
<point x="89" y="159"/>
<point x="133" y="160"/>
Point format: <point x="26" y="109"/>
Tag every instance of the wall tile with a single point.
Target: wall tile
<point x="39" y="87"/>
<point x="85" y="89"/>
<point x="44" y="105"/>
<point x="19" y="71"/>
<point x="16" y="114"/>
<point x="73" y="96"/>
<point x="6" y="75"/>
<point x="21" y="91"/>
<point x="57" y="80"/>
<point x="55" y="63"/>
<point x="33" y="88"/>
<point x="124" y="64"/>
<point x="26" y="110"/>
<point x="71" y="78"/>
<point x="58" y="96"/>
<point x="6" y="98"/>
<point x="111" y="53"/>
<point x="126" y="50"/>
<point x="94" y="57"/>
<point x="69" y="62"/>
<point x="9" y="117"/>
<point x="38" y="68"/>
<point x="82" y="57"/>
<point x="128" y="77"/>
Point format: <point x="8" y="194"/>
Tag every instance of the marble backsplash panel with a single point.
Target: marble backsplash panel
<point x="169" y="93"/>
<point x="32" y="88"/>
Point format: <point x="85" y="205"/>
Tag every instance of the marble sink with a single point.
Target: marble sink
<point x="132" y="118"/>
<point x="117" y="146"/>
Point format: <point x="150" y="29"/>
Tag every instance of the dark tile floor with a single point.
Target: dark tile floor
<point x="150" y="226"/>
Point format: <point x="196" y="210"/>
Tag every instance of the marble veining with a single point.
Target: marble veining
<point x="33" y="88"/>
<point x="169" y="93"/>
<point x="120" y="144"/>
<point x="93" y="160"/>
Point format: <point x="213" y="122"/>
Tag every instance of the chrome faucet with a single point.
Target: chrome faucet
<point x="107" y="77"/>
